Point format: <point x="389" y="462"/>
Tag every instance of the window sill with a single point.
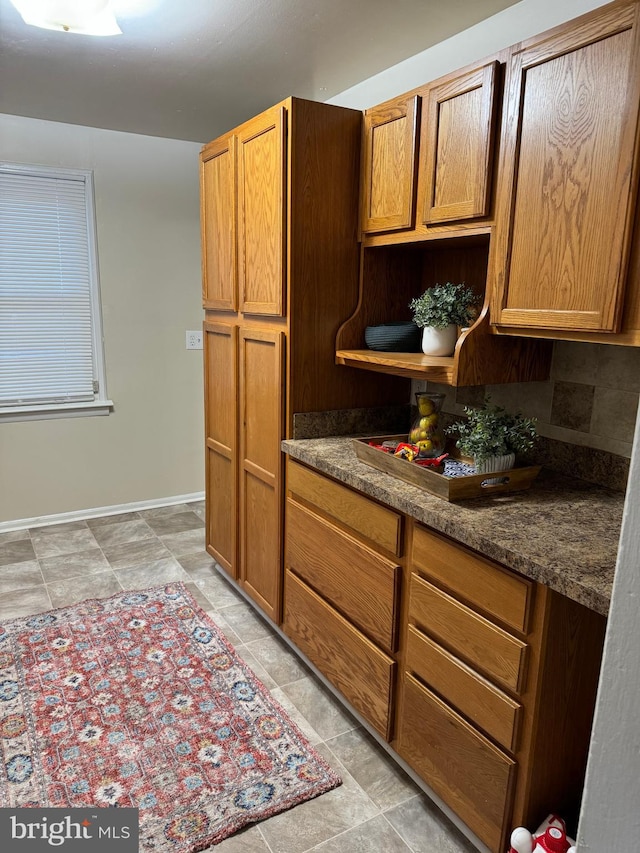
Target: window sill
<point x="52" y="410"/>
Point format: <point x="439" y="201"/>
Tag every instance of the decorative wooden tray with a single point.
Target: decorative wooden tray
<point x="448" y="488"/>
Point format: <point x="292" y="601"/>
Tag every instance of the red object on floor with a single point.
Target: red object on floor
<point x="550" y="837"/>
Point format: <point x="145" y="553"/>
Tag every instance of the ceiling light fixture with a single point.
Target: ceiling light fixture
<point x="88" y="17"/>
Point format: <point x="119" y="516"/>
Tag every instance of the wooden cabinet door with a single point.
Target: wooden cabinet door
<point x="261" y="467"/>
<point x="464" y="768"/>
<point x="218" y="224"/>
<point x="389" y="170"/>
<point x="221" y="428"/>
<point x="567" y="175"/>
<point x="456" y="147"/>
<point x="262" y="213"/>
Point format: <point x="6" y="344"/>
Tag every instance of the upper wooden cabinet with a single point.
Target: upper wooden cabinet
<point x="218" y="224"/>
<point x="262" y="213"/>
<point x="450" y="170"/>
<point x="389" y="165"/>
<point x="456" y="147"/>
<point x="568" y="176"/>
<point x="243" y="215"/>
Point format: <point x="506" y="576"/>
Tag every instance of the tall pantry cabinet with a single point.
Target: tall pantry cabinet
<point x="279" y="201"/>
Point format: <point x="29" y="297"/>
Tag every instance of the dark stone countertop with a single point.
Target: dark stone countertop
<point x="562" y="532"/>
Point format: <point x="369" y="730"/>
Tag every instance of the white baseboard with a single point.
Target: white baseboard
<point x="96" y="512"/>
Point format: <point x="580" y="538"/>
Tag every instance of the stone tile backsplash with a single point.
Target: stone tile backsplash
<point x="572" y="405"/>
<point x="590" y="401"/>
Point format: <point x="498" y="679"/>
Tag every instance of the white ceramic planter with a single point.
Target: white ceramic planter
<point x="439" y="341"/>
<point x="495" y="463"/>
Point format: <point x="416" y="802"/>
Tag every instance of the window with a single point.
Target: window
<point x="51" y="357"/>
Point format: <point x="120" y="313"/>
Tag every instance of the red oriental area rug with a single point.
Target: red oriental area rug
<point x="138" y="700"/>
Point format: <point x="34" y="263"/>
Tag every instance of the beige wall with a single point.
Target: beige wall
<point x="508" y="27"/>
<point x="150" y="447"/>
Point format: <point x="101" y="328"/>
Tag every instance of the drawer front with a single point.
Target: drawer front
<point x="499" y="592"/>
<point x="468" y="634"/>
<point x="356" y="581"/>
<point x="473" y="696"/>
<point x="366" y="518"/>
<point x="463" y="768"/>
<point x="353" y="664"/>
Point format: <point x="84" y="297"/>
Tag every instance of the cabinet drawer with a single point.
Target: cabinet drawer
<point x="353" y="664"/>
<point x="497" y="591"/>
<point x="465" y="769"/>
<point x="472" y="636"/>
<point x="473" y="696"/>
<point x="365" y="517"/>
<point x="358" y="582"/>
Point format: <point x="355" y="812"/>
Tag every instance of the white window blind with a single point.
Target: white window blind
<point x="50" y="336"/>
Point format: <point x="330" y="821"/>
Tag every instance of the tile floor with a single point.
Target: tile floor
<point x="377" y="808"/>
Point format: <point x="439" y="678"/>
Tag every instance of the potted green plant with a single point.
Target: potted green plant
<point x="439" y="312"/>
<point x="492" y="436"/>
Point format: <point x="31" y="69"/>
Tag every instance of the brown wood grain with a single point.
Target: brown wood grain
<point x="464" y="768"/>
<point x="565" y="678"/>
<point x="261" y="417"/>
<point x="323" y="261"/>
<point x="218" y="224"/>
<point x="456" y="147"/>
<point x="564" y="214"/>
<point x="467" y="634"/>
<point x="221" y="429"/>
<point x="294" y="225"/>
<point x="358" y="582"/>
<point x="359" y="514"/>
<point x="389" y="165"/>
<point x="470" y="694"/>
<point x="353" y="664"/>
<point x="435" y="482"/>
<point x="476" y="580"/>
<point x="262" y="213"/>
<point x="393" y="275"/>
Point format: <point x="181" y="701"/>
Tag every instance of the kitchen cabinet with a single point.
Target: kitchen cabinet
<point x="341" y="590"/>
<point x="261" y="419"/>
<point x="498" y="689"/>
<point x="568" y="182"/>
<point x="456" y="146"/>
<point x="218" y="224"/>
<point x="480" y="679"/>
<point x="244" y="415"/>
<point x="279" y="201"/>
<point x="452" y="165"/>
<point x="221" y="450"/>
<point x="426" y="219"/>
<point x="262" y="213"/>
<point x="390" y="165"/>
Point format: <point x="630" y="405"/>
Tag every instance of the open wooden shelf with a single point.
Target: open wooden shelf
<point x="392" y="275"/>
<point x="413" y="365"/>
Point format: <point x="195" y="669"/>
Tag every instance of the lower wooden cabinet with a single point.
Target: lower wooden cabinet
<point x="324" y="557"/>
<point x="481" y="680"/>
<point x="357" y="667"/>
<point x="463" y="767"/>
<point x="493" y="710"/>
